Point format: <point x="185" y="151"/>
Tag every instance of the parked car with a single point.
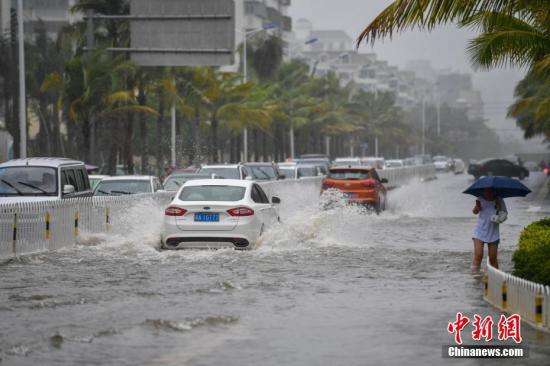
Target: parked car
<point x="217" y="214"/>
<point x="225" y="171"/>
<point x="347" y="162"/>
<point x="95" y="179"/>
<point x="297" y="171"/>
<point x="458" y="166"/>
<point x="175" y="180"/>
<point x="321" y="160"/>
<point x="373" y="162"/>
<point x="128" y="185"/>
<point x="43" y="179"/>
<point x="394" y="163"/>
<point x="423" y="159"/>
<point x="360" y="185"/>
<point x="441" y="163"/>
<point x="263" y="171"/>
<point x="409" y="161"/>
<point x="500" y="167"/>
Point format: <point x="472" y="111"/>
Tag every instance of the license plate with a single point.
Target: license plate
<point x="207" y="217"/>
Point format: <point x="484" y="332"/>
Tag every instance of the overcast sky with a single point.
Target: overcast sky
<point x="445" y="47"/>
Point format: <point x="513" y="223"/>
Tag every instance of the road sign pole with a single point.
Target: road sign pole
<point x="22" y="92"/>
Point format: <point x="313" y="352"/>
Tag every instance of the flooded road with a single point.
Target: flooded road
<point x="333" y="287"/>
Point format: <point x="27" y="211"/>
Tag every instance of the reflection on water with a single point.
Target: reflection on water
<point x="336" y="286"/>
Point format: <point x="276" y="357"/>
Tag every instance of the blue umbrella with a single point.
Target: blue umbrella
<point x="503" y="187"/>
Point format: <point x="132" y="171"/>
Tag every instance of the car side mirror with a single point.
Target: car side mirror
<point x="68" y="189"/>
<point x="384" y="180"/>
<point x="275" y="200"/>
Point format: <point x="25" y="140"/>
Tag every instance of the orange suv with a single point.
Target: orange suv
<point x="360" y="185"/>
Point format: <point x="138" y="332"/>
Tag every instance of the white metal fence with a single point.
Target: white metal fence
<point x="400" y="176"/>
<point x="516" y="295"/>
<point x="27" y="228"/>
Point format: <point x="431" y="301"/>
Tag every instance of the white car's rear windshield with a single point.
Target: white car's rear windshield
<point x="212" y="193"/>
<point x="226" y="173"/>
<point x="122" y="187"/>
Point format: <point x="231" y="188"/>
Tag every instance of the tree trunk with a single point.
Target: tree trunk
<point x="215" y="148"/>
<point x="159" y="140"/>
<point x="142" y="101"/>
<point x="264" y="146"/>
<point x="128" y="147"/>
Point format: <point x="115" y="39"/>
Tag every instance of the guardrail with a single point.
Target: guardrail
<point x="516" y="295"/>
<point x="400" y="176"/>
<point x="28" y="228"/>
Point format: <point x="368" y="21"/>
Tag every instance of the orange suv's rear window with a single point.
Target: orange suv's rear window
<point x="351" y="174"/>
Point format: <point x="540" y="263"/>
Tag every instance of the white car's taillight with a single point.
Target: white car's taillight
<point x="241" y="211"/>
<point x="174" y="211"/>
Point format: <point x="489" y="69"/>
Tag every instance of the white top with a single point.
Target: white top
<point x="486" y="230"/>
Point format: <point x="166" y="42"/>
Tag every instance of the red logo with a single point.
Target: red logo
<point x="508" y="327"/>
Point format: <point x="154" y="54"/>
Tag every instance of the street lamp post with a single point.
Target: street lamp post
<point x="22" y="92"/>
<point x="245" y="76"/>
<point x="291" y="133"/>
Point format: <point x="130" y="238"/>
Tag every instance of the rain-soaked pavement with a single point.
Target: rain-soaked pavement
<point x="333" y="287"/>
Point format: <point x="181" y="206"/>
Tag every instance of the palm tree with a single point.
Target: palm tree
<point x="514" y="32"/>
<point x="532" y="106"/>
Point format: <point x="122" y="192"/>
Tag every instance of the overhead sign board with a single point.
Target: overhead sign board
<point x="182" y="32"/>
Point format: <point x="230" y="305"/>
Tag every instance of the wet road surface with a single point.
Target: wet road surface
<point x="334" y="287"/>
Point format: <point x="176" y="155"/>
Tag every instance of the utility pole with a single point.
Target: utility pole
<point x="438" y="118"/>
<point x="423" y="126"/>
<point x="22" y="92"/>
<point x="245" y="79"/>
<point x="327" y="145"/>
<point x="375" y="146"/>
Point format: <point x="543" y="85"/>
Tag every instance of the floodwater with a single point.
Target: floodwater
<point x="336" y="287"/>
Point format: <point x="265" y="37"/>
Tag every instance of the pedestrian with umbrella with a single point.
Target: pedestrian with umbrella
<point x="491" y="210"/>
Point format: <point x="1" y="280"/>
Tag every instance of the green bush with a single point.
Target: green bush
<point x="532" y="258"/>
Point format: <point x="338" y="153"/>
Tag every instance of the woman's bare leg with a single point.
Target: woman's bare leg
<point x="478" y="255"/>
<point x="493" y="254"/>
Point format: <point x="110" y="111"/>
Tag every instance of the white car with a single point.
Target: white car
<point x="127" y="184"/>
<point x="216" y="214"/>
<point x="458" y="166"/>
<point x="347" y="162"/>
<point x="297" y="171"/>
<point x="43" y="179"/>
<point x="395" y="163"/>
<point x="95" y="179"/>
<point x="441" y="163"/>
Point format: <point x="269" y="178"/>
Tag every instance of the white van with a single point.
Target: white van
<point x="43" y="179"/>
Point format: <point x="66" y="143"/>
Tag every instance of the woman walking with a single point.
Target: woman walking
<point x="491" y="210"/>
